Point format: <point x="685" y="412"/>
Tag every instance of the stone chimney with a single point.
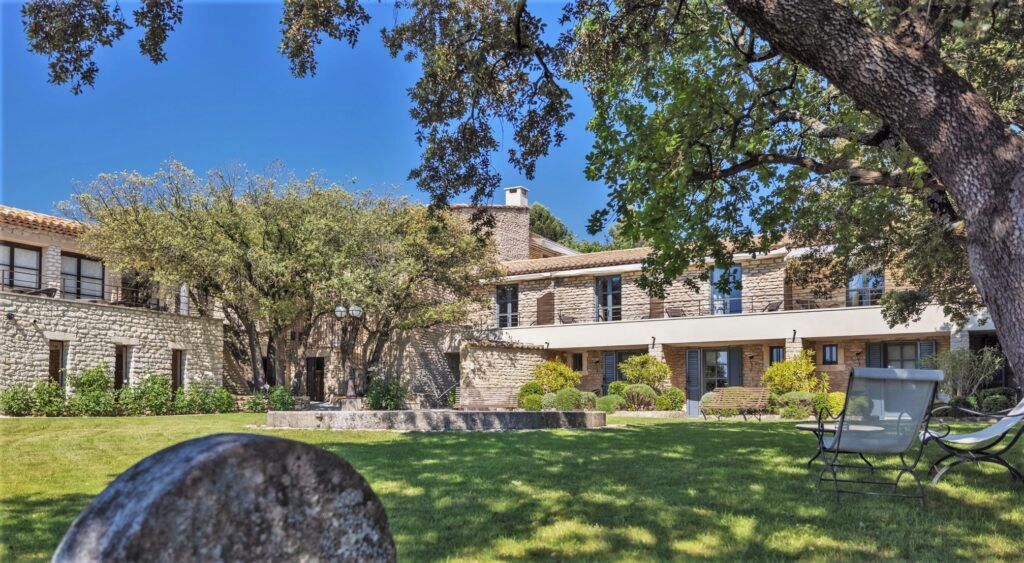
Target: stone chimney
<point x="515" y="196"/>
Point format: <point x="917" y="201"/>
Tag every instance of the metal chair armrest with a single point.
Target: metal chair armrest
<point x="936" y="410"/>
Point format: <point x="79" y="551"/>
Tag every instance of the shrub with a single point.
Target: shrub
<point x="610" y="403"/>
<point x="858" y="407"/>
<point x="706" y="397"/>
<point x="200" y="397"/>
<point x="640" y="397"/>
<point x="964" y="370"/>
<point x="588" y="401"/>
<point x="795" y="374"/>
<point x="547" y="401"/>
<point x="554" y="376"/>
<point x="530" y="388"/>
<point x="129" y="401"/>
<point x="49" y="399"/>
<point x="151" y="395"/>
<point x="382" y="394"/>
<point x="820" y="402"/>
<point x="281" y="398"/>
<point x="995" y="403"/>
<point x="793" y="412"/>
<point x="530" y="402"/>
<point x="92" y="393"/>
<point x="962" y="403"/>
<point x="257" y="402"/>
<point x="836" y="401"/>
<point x="798" y="400"/>
<point x="567" y="399"/>
<point x="16" y="400"/>
<point x="1008" y="392"/>
<point x="222" y="401"/>
<point x="673" y="399"/>
<point x="617" y="388"/>
<point x="645" y="369"/>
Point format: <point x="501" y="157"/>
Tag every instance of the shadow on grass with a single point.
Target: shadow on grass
<point x="31" y="525"/>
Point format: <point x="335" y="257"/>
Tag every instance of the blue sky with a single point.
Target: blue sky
<point x="225" y="97"/>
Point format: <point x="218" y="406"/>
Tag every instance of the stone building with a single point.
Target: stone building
<point x="64" y="312"/>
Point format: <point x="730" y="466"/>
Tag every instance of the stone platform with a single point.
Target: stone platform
<point x="435" y="420"/>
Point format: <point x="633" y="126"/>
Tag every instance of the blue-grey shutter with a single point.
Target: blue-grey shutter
<point x="875" y="355"/>
<point x="608" y="369"/>
<point x="925" y="349"/>
<point x="735" y="367"/>
<point x="693" y="383"/>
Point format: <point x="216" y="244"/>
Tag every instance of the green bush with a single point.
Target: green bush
<point x="281" y="398"/>
<point x="92" y="393"/>
<point x="588" y="401"/>
<point x="610" y="403"/>
<point x="547" y="401"/>
<point x="639" y="397"/>
<point x="222" y="401"/>
<point x="49" y="399"/>
<point x="257" y="402"/>
<point x="382" y="394"/>
<point x="530" y="388"/>
<point x="820" y="402"/>
<point x="858" y="407"/>
<point x="706" y="397"/>
<point x="200" y="397"/>
<point x="151" y="395"/>
<point x="995" y="403"/>
<point x="673" y="399"/>
<point x="799" y="399"/>
<point x="617" y="388"/>
<point x="836" y="401"/>
<point x="1008" y="392"/>
<point x="795" y="374"/>
<point x="793" y="412"/>
<point x="129" y="401"/>
<point x="16" y="400"/>
<point x="531" y="402"/>
<point x="645" y="369"/>
<point x="962" y="403"/>
<point x="567" y="399"/>
<point x="554" y="376"/>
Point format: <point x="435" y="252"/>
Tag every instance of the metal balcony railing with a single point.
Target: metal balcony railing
<point x="94" y="291"/>
<point x="547" y="311"/>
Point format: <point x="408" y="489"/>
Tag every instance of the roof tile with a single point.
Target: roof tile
<point x="38" y="221"/>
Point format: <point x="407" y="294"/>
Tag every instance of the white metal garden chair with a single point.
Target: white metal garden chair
<point x="884" y="412"/>
<point x="987" y="445"/>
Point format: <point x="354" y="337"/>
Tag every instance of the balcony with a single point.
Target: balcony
<point x="94" y="291"/>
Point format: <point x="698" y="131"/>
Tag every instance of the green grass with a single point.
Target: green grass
<point x="650" y="490"/>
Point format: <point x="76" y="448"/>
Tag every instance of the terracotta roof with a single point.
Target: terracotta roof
<point x="38" y="221"/>
<point x="589" y="260"/>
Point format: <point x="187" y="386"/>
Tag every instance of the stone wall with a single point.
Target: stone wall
<point x="492" y="373"/>
<point x="511" y="228"/>
<point x="92" y="330"/>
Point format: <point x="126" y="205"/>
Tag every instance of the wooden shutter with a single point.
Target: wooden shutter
<point x="735" y="367"/>
<point x="608" y="368"/>
<point x="546" y="309"/>
<point x="925" y="349"/>
<point x="875" y="359"/>
<point x="693" y="383"/>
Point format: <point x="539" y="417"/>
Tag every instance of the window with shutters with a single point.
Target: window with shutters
<point x="901" y="355"/>
<point x="19" y="266"/>
<point x="81" y="277"/>
<point x="507" y="299"/>
<point x="776" y="354"/>
<point x="716" y="369"/>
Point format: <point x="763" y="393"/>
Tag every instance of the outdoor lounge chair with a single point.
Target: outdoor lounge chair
<point x="674" y="312"/>
<point x="566" y="319"/>
<point x="984" y="446"/>
<point x="884" y="412"/>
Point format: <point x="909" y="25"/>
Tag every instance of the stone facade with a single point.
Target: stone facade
<point x="492" y="373"/>
<point x="92" y="330"/>
<point x="511" y="230"/>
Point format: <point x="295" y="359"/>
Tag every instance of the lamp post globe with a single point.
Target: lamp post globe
<point x="356" y="311"/>
<point x="340" y="311"/>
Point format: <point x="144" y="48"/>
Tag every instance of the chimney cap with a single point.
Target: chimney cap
<point x="512" y="189"/>
<point x="515" y="196"/>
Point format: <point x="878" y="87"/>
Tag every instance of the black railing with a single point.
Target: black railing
<point x="95" y="292"/>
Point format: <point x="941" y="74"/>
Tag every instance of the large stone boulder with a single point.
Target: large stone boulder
<point x="233" y="497"/>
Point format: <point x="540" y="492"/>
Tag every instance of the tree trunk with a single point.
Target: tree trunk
<point x="252" y="336"/>
<point x="940" y="116"/>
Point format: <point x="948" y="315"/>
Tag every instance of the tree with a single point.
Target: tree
<point x="965" y="370"/>
<point x="870" y="130"/>
<point x="544" y="223"/>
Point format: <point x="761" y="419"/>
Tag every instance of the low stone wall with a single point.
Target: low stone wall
<point x="435" y="420"/>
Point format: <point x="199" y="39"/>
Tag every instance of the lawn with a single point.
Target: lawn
<point x="648" y="490"/>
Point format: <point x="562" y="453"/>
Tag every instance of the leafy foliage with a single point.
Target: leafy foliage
<point x="49" y="399"/>
<point x="385" y="394"/>
<point x="150" y="395"/>
<point x="610" y="403"/>
<point x="529" y="388"/>
<point x="92" y="393"/>
<point x="567" y="399"/>
<point x="617" y="387"/>
<point x="554" y="375"/>
<point x="639" y="397"/>
<point x="531" y="402"/>
<point x="257" y="402"/>
<point x="795" y="374"/>
<point x="547" y="401"/>
<point x="965" y="370"/>
<point x="544" y="223"/>
<point x="588" y="400"/>
<point x="16" y="400"/>
<point x="995" y="403"/>
<point x="672" y="399"/>
<point x="646" y="369"/>
<point x="281" y="398"/>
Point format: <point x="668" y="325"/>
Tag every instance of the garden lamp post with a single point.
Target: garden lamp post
<point x="350" y="315"/>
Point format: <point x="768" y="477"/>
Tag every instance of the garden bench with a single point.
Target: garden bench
<point x="745" y="401"/>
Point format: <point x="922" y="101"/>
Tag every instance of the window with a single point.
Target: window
<point x="58" y="361"/>
<point x="901" y="355"/>
<point x="830" y="354"/>
<point x="865" y="288"/>
<point x="577" y="361"/>
<point x="609" y="298"/>
<point x="716" y="369"/>
<point x="507" y="298"/>
<point x="122" y="365"/>
<point x="178" y="362"/>
<point x="727" y="302"/>
<point x="81" y="277"/>
<point x="776" y="354"/>
<point x="19" y="266"/>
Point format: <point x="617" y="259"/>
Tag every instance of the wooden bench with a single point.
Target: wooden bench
<point x="745" y="401"/>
